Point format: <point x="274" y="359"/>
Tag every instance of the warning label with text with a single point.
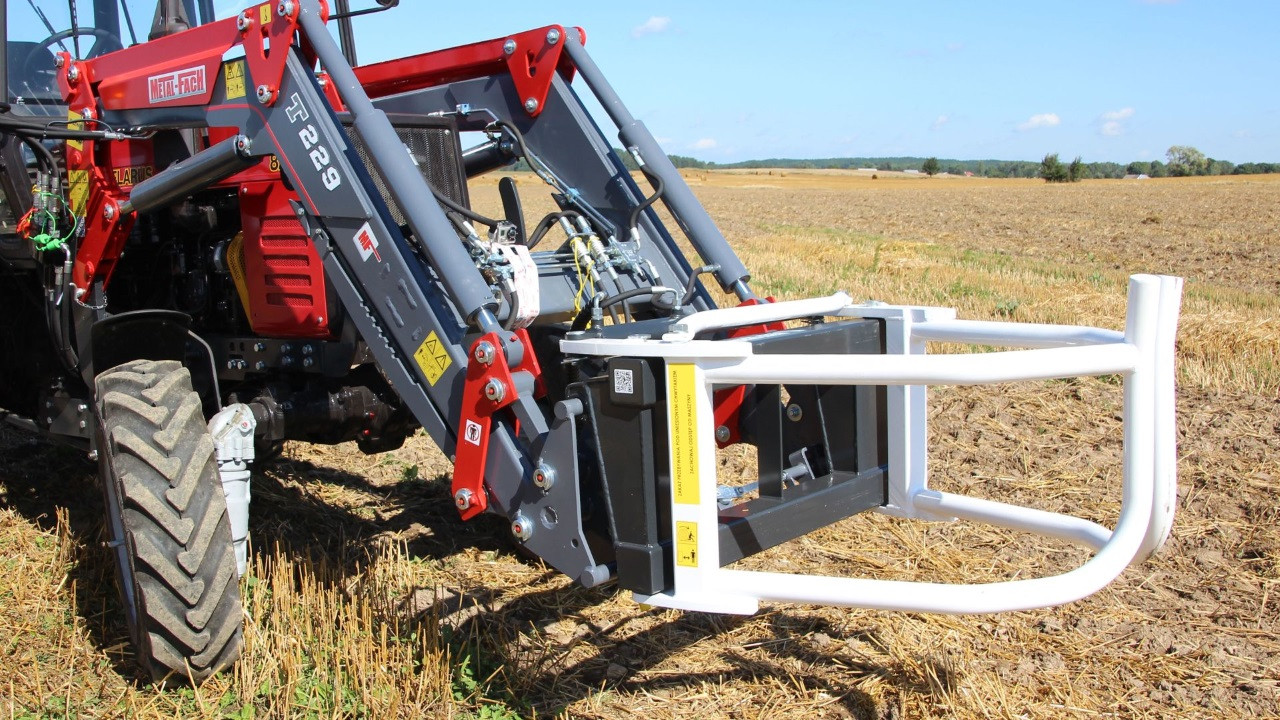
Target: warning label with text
<point x="682" y="401"/>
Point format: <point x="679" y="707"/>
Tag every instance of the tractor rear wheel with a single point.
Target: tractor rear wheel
<point x="167" y="519"/>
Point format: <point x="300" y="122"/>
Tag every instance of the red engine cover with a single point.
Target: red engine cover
<point x="283" y="273"/>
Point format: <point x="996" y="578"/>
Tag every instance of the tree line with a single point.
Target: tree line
<point x="1181" y="160"/>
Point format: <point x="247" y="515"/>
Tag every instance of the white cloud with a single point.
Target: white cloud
<point x="942" y="120"/>
<point x="704" y="144"/>
<point x="1113" y="122"/>
<point x="1041" y="120"/>
<point x="655" y="24"/>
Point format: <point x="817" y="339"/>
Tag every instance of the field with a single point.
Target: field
<point x="369" y="598"/>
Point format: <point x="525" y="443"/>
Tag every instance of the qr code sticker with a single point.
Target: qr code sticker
<point x="473" y="432"/>
<point x="624" y="381"/>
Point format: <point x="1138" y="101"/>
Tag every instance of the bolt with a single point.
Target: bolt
<point x="242" y="22"/>
<point x="308" y="362"/>
<point x="264" y="94"/>
<point x="259" y="346"/>
<point x="108" y="212"/>
<point x="531" y="104"/>
<point x="87" y="114"/>
<point x="521" y="528"/>
<point x="260" y="366"/>
<point x="74" y="73"/>
<point x="485" y="353"/>
<point x="553" y="36"/>
<point x="319" y="319"/>
<point x="83" y="425"/>
<point x="241" y="365"/>
<point x="286" y="348"/>
<point x="307" y="349"/>
<point x="794" y="413"/>
<point x="285" y="9"/>
<point x="495" y="390"/>
<point x="544" y="477"/>
<point x="462" y="499"/>
<point x="93" y="454"/>
<point x="243" y="145"/>
<point x="81" y="407"/>
<point x="231" y="364"/>
<point x="287" y="361"/>
<point x="508" y="47"/>
<point x="722" y="434"/>
<point x="59" y="61"/>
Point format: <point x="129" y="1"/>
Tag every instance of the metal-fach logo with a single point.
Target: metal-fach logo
<point x="177" y="84"/>
<point x="366" y="243"/>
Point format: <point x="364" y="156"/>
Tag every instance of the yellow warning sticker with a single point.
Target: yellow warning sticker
<point x="233" y="72"/>
<point x="687" y="544"/>
<point x="433" y="357"/>
<point x="73" y="123"/>
<point x="265" y="13"/>
<point x="78" y="190"/>
<point x="682" y="404"/>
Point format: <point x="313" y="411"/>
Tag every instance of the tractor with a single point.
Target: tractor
<point x="219" y="234"/>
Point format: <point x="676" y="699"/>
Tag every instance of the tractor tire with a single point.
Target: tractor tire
<point x="167" y="519"/>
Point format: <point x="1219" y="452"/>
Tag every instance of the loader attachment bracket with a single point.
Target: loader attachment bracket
<point x="701" y="538"/>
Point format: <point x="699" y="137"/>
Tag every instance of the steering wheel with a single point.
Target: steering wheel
<point x="32" y="67"/>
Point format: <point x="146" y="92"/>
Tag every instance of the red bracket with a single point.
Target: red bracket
<point x="531" y="58"/>
<point x="489" y="388"/>
<point x="728" y="402"/>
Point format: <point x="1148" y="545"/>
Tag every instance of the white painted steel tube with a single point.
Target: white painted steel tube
<point x="1140" y="391"/>
<point x="974" y="369"/>
<point x="1166" y="433"/>
<point x="1027" y="335"/>
<point x="1015" y="517"/>
<point x="756" y="314"/>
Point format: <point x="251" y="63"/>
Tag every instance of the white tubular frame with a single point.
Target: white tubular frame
<point x="1143" y="355"/>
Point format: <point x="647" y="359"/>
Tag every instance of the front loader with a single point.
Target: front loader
<point x="228" y="234"/>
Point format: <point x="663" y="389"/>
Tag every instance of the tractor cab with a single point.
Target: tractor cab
<point x="37" y="30"/>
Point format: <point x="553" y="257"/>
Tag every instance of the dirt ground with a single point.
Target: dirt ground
<point x="1193" y="632"/>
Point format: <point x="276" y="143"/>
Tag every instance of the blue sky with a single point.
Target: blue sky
<point x="1114" y="80"/>
<point x="1117" y="80"/>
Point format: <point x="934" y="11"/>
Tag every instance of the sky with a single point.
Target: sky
<point x="1113" y="80"/>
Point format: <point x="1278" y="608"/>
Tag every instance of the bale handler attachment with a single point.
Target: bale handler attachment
<point x="327" y="279"/>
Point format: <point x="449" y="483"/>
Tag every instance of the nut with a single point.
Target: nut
<point x="531" y="104"/>
<point x="462" y="499"/>
<point x="553" y="36"/>
<point x="722" y="434"/>
<point x="485" y="353"/>
<point x="521" y="528"/>
<point x="794" y="413"/>
<point x="544" y="477"/>
<point x="495" y="390"/>
<point x="509" y="46"/>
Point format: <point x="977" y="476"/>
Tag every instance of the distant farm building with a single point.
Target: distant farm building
<point x="1138" y="176"/>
